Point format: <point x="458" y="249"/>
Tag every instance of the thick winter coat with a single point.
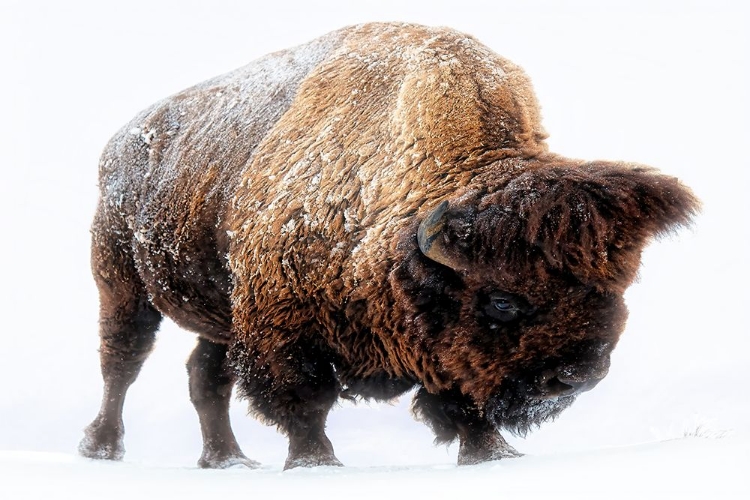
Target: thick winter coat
<point x="368" y="213"/>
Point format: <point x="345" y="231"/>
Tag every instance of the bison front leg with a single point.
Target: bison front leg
<point x="452" y="416"/>
<point x="294" y="386"/>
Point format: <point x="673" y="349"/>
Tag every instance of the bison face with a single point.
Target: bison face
<point x="517" y="288"/>
<point x="522" y="346"/>
<point x="541" y="346"/>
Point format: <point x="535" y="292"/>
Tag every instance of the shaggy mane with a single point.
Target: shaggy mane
<point x="592" y="219"/>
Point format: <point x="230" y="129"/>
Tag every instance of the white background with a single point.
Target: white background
<point x="661" y="83"/>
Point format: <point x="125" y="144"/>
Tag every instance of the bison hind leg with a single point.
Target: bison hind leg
<point x="211" y="382"/>
<point x="127" y="329"/>
<point x="451" y="416"/>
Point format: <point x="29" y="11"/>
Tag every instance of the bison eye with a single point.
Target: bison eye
<point x="502" y="306"/>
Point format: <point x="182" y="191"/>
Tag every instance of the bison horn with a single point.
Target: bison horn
<point x="428" y="236"/>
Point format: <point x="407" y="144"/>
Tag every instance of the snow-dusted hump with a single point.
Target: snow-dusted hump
<point x="394" y="109"/>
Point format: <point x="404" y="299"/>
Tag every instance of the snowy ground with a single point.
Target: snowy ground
<point x="658" y="82"/>
<point x="688" y="468"/>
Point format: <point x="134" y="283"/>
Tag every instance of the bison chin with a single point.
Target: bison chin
<point x="518" y="409"/>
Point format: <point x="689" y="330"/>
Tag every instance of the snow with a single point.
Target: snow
<point x="689" y="468"/>
<point x="655" y="82"/>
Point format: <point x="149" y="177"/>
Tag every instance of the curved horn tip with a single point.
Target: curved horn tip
<point x="428" y="237"/>
<point x="430" y="227"/>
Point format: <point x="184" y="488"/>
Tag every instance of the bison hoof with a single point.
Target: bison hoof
<point x="102" y="442"/>
<point x="468" y="456"/>
<point x="478" y="459"/>
<point x="227" y="462"/>
<point x="312" y="461"/>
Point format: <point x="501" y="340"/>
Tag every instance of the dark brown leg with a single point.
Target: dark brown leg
<point x="452" y="416"/>
<point x="211" y="382"/>
<point x="308" y="444"/>
<point x="127" y="328"/>
<point x="482" y="444"/>
<point x="294" y="387"/>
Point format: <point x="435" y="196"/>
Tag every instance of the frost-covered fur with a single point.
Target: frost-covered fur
<point x="275" y="212"/>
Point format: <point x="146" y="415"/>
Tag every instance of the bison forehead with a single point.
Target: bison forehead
<point x="552" y="216"/>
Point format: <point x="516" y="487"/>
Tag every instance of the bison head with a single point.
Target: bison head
<point x="517" y="285"/>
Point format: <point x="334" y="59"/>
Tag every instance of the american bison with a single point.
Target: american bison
<point x="371" y="212"/>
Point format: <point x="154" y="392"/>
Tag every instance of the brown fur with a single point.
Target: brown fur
<point x="274" y="211"/>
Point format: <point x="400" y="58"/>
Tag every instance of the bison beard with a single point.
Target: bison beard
<point x="512" y="409"/>
<point x="368" y="213"/>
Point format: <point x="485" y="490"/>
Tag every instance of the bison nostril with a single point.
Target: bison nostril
<point x="551" y="385"/>
<point x="556" y="387"/>
<point x="580" y="385"/>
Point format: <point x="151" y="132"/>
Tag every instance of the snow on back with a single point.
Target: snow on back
<point x="194" y="144"/>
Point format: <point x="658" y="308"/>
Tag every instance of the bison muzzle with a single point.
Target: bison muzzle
<point x="373" y="212"/>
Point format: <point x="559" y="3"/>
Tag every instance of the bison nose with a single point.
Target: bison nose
<point x="553" y="385"/>
<point x="579" y="385"/>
